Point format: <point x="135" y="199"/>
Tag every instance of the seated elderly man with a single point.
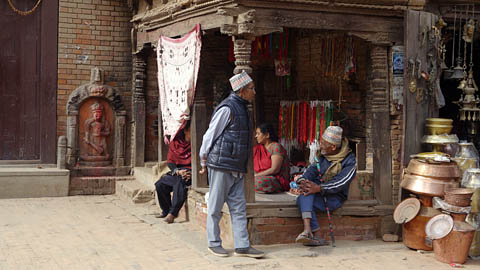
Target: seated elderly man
<point x="328" y="178"/>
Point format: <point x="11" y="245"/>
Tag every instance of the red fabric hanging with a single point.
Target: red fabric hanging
<point x="304" y="124"/>
<point x="321" y="123"/>
<point x="314" y="121"/>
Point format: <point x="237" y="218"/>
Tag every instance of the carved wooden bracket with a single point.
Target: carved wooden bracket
<point x="243" y="21"/>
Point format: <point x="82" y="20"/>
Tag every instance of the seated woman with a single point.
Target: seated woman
<point x="270" y="162"/>
<point x="179" y="177"/>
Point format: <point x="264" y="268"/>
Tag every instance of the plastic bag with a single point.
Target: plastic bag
<point x="438" y="203"/>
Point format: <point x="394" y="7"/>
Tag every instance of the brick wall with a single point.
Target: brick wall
<point x="283" y="230"/>
<point x="92" y="33"/>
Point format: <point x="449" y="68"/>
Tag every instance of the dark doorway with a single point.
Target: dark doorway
<point x="28" y="82"/>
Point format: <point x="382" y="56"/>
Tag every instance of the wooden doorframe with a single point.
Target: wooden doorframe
<point x="48" y="80"/>
<point x="414" y="113"/>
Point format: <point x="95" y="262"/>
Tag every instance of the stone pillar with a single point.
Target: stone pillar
<point x="72" y="149"/>
<point x="380" y="98"/>
<point x="138" y="110"/>
<point x="198" y="127"/>
<point x="120" y="136"/>
<point x="61" y="152"/>
<point x="242" y="49"/>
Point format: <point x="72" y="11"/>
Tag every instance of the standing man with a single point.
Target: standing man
<point x="225" y="151"/>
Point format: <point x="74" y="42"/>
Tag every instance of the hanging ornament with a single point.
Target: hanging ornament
<point x="448" y="73"/>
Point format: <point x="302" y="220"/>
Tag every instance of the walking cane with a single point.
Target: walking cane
<point x="326" y="206"/>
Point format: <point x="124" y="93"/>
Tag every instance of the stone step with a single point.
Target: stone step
<point x="33" y="182"/>
<point x="145" y="176"/>
<point x="98" y="185"/>
<point x="135" y="191"/>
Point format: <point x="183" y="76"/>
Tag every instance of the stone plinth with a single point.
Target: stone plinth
<point x="280" y="222"/>
<point x="21" y="182"/>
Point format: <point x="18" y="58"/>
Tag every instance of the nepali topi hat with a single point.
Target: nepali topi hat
<point x="333" y="135"/>
<point x="239" y="81"/>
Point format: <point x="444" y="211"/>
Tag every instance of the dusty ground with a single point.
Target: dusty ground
<point x="105" y="232"/>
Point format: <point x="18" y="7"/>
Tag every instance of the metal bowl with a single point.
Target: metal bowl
<point x="447" y="170"/>
<point x="435" y="129"/>
<point x="459" y="196"/>
<point x="439" y="121"/>
<point x="426" y="185"/>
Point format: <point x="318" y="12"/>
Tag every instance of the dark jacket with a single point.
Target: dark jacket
<point x="340" y="183"/>
<point x="231" y="149"/>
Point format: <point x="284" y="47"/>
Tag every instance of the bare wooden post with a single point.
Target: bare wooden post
<point x="162" y="148"/>
<point x="382" y="154"/>
<point x="249" y="177"/>
<point x="198" y="127"/>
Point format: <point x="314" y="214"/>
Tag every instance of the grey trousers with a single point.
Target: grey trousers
<point x="224" y="187"/>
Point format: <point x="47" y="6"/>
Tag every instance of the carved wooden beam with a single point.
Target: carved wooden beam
<point x="243" y="23"/>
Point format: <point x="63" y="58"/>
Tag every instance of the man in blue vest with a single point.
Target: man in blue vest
<point x="225" y="152"/>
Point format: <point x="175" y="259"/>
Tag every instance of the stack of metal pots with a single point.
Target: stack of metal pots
<point x="426" y="178"/>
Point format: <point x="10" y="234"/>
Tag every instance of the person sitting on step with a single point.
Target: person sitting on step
<point x="179" y="177"/>
<point x="328" y="178"/>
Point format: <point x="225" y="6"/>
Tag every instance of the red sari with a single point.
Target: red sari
<point x="262" y="161"/>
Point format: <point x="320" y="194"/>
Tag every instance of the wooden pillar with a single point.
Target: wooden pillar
<point x="242" y="49"/>
<point x="382" y="154"/>
<point x="198" y="127"/>
<point x="138" y="110"/>
<point x="162" y="148"/>
<point x="243" y="32"/>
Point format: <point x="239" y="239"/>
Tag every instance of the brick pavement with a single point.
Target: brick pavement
<point x="105" y="232"/>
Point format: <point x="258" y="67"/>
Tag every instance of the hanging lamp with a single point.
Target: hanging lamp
<point x="458" y="69"/>
<point x="449" y="72"/>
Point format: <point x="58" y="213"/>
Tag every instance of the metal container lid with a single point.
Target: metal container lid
<point x="406" y="210"/>
<point x="439" y="226"/>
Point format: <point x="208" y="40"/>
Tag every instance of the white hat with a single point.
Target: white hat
<point x="239" y="81"/>
<point x="333" y="135"/>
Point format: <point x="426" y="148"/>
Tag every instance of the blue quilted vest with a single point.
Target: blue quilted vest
<point x="231" y="149"/>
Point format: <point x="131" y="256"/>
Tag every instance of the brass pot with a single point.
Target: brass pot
<point x="427" y="185"/>
<point x="437" y="170"/>
<point x="435" y="129"/>
<point x="439" y="121"/>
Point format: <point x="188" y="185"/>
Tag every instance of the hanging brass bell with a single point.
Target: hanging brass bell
<point x="457" y="73"/>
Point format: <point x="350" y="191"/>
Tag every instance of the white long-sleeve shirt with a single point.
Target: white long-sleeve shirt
<point x="217" y="125"/>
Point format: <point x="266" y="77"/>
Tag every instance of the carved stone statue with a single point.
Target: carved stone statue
<point x="97" y="130"/>
<point x="97" y="87"/>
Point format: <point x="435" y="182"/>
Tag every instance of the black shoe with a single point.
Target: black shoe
<point x="218" y="251"/>
<point x="249" y="252"/>
<point x="157" y="215"/>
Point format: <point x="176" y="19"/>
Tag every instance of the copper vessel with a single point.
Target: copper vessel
<point x="454" y="247"/>
<point x="413" y="232"/>
<point x="459" y="196"/>
<point x="436" y="170"/>
<point x="427" y="185"/>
